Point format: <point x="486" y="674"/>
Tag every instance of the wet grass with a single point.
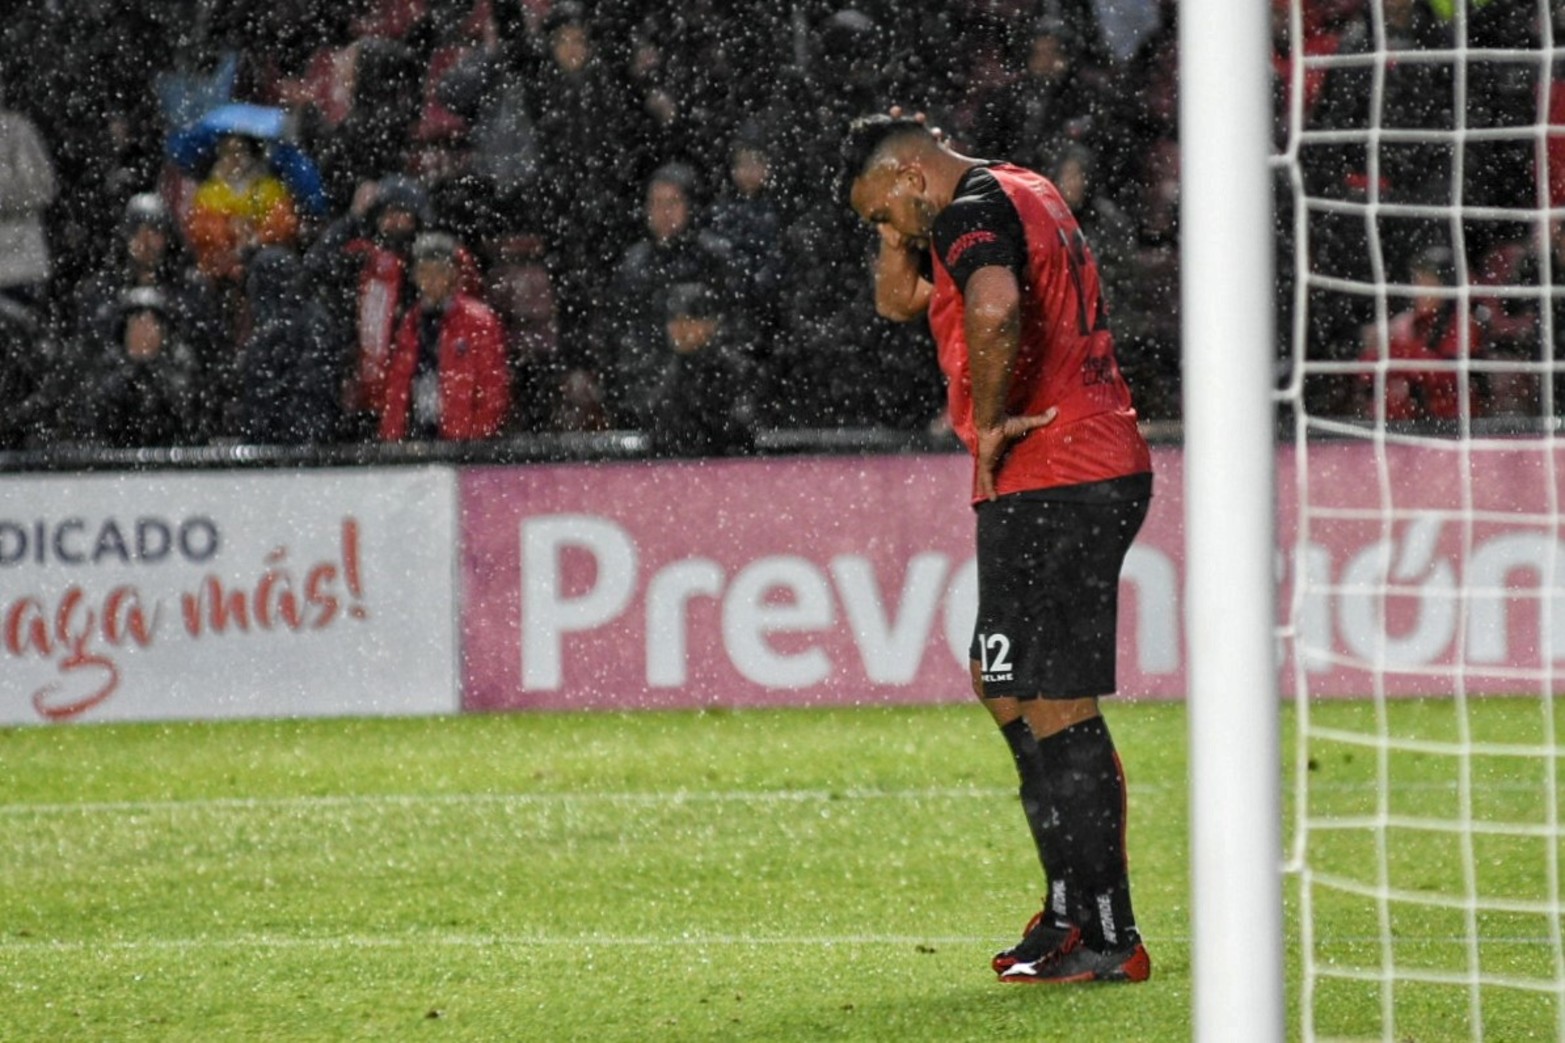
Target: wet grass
<point x="764" y="875"/>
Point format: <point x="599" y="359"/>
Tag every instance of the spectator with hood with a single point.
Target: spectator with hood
<point x="363" y="263"/>
<point x="140" y="382"/>
<point x="490" y="88"/>
<point x="838" y="363"/>
<point x="691" y="396"/>
<point x="576" y="108"/>
<point x="290" y="371"/>
<point x="747" y="214"/>
<point x="448" y="378"/>
<point x="147" y="251"/>
<point x="674" y="249"/>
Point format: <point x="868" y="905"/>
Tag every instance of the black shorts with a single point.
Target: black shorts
<point x="1048" y="587"/>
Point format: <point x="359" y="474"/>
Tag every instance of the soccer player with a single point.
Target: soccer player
<point x="1062" y="480"/>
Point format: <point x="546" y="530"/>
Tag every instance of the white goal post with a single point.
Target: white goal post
<point x="1395" y="591"/>
<point x="1229" y="367"/>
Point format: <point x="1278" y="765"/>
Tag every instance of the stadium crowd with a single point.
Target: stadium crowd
<point x="461" y="219"/>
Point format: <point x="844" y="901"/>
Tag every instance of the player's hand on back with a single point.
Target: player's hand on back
<point x="994" y="442"/>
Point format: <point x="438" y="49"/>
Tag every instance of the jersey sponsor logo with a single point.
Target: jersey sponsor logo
<point x="965" y="242"/>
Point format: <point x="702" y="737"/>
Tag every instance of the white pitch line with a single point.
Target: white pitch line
<point x="642" y="798"/>
<point x="645" y="799"/>
<point x="673" y="798"/>
<point x="484" y="941"/>
<point x="603" y="941"/>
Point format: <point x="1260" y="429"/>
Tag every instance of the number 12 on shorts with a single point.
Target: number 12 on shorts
<point x="994" y="652"/>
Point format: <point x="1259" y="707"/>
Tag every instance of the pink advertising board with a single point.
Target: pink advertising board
<point x="1434" y="566"/>
<point x="752" y="582"/>
<point x="850" y="580"/>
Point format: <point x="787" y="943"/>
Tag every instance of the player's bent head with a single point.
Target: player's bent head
<point x="871" y="140"/>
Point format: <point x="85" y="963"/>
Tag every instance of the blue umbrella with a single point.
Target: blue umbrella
<point x="193" y="147"/>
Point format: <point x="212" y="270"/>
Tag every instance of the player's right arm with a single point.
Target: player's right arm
<point x="901" y="291"/>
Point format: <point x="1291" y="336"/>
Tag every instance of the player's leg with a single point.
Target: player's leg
<point x="1082" y="769"/>
<point x="1048" y="717"/>
<point x="1005" y="538"/>
<point x="1051" y="928"/>
<point x="1084" y="772"/>
<point x="1032" y="774"/>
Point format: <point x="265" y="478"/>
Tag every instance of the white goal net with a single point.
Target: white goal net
<point x="1421" y="223"/>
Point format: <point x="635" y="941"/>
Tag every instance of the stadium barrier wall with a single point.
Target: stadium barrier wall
<point x="814" y="579"/>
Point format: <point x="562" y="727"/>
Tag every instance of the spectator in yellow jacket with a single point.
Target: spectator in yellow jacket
<point x="239" y="208"/>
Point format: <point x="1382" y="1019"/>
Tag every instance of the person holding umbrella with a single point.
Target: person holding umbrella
<point x="240" y="207"/>
<point x="255" y="186"/>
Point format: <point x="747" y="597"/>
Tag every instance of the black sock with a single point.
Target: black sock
<point x="1088" y="785"/>
<point x="1042" y="818"/>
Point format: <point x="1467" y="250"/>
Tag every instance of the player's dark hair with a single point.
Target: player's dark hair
<point x="864" y="139"/>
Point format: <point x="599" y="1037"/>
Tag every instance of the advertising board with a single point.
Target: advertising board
<point x="227" y="594"/>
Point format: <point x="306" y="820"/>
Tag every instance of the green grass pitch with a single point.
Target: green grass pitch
<point x="759" y="875"/>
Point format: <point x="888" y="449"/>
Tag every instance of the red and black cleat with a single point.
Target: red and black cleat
<point x="1045" y="933"/>
<point x="1077" y="963"/>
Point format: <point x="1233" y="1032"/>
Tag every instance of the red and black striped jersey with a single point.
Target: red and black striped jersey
<point x="1007" y="215"/>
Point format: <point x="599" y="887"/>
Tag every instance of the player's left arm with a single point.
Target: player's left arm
<point x="993" y="327"/>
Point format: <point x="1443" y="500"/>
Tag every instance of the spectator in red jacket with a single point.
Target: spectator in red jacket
<point x="448" y="377"/>
<point x="360" y="266"/>
<point x="1430" y="330"/>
